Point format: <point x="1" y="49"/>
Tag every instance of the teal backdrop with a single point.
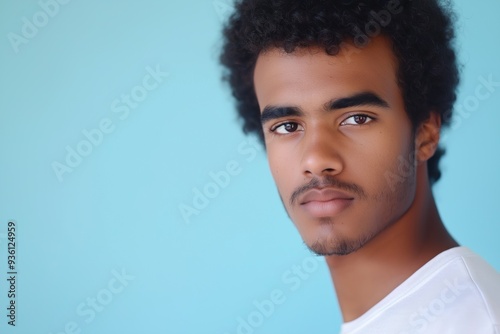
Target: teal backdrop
<point x="138" y="204"/>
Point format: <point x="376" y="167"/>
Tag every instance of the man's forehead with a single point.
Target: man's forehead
<point x="277" y="71"/>
<point x="377" y="52"/>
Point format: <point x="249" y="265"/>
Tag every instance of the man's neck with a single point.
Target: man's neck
<point x="365" y="277"/>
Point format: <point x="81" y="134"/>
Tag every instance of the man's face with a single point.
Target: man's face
<point x="336" y="134"/>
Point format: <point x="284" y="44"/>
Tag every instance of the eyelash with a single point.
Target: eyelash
<point x="274" y="128"/>
<point x="369" y="120"/>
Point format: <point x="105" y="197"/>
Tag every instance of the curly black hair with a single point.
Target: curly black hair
<point x="421" y="32"/>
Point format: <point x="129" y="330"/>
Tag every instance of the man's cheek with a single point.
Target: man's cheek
<point x="278" y="166"/>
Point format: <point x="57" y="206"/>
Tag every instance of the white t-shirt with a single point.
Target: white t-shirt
<point x="455" y="292"/>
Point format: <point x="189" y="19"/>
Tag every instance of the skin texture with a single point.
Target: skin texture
<point x="352" y="177"/>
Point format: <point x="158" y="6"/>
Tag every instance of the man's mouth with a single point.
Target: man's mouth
<point x="326" y="202"/>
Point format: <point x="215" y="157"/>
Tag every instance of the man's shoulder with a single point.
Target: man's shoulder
<point x="455" y="292"/>
<point x="457" y="289"/>
<point x="481" y="279"/>
<point x="462" y="264"/>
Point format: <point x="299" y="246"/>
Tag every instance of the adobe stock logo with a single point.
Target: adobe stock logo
<point x="407" y="166"/>
<point x="223" y="9"/>
<point x="30" y="27"/>
<point x="219" y="180"/>
<point x="122" y="107"/>
<point x="425" y="315"/>
<point x="263" y="309"/>
<point x="90" y="309"/>
<point x="486" y="87"/>
<point x="371" y="29"/>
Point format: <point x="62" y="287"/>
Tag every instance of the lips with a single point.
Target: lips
<point x="325" y="202"/>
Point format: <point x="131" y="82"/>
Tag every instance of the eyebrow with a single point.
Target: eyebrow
<point x="275" y="112"/>
<point x="356" y="100"/>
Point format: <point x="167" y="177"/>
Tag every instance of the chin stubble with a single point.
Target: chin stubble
<point x="339" y="245"/>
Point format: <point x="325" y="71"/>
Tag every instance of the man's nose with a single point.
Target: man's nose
<point x="320" y="153"/>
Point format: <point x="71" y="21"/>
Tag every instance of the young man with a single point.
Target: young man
<point x="349" y="98"/>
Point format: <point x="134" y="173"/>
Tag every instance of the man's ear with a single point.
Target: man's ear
<point x="427" y="137"/>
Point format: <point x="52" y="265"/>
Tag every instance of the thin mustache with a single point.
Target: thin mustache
<point x="327" y="182"/>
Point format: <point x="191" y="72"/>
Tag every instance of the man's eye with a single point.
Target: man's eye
<point x="357" y="120"/>
<point x="285" y="128"/>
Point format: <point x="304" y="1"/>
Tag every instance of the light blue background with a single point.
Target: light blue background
<point x="119" y="209"/>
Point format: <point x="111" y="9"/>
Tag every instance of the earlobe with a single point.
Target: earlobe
<point x="427" y="137"/>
